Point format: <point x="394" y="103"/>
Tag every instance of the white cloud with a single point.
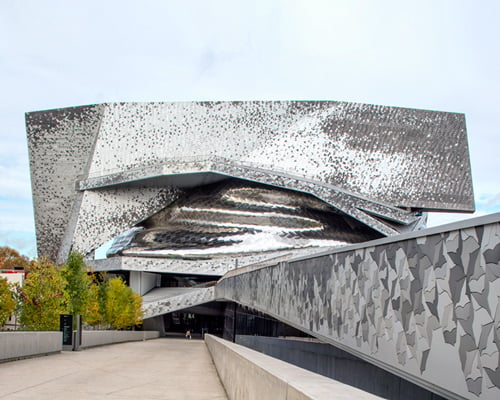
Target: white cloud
<point x="438" y="219"/>
<point x="493" y="201"/>
<point x="23" y="242"/>
<point x="16" y="215"/>
<point x="15" y="182"/>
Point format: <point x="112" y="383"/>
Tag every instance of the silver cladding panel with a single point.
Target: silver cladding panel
<point x="211" y="267"/>
<point x="60" y="144"/>
<point x="104" y="213"/>
<point x="425" y="307"/>
<point x="403" y="157"/>
<point x="162" y="301"/>
<point x="394" y="156"/>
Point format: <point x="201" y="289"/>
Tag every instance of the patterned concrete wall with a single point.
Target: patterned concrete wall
<point x="424" y="306"/>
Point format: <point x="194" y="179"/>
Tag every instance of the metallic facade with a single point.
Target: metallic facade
<point x="99" y="170"/>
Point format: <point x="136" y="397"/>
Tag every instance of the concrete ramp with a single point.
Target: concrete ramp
<point x="153" y="369"/>
<point x="424" y="306"/>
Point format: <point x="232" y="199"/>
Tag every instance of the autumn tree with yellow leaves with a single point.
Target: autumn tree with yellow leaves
<point x="11" y="259"/>
<point x="42" y="297"/>
<point x="50" y="290"/>
<point x="122" y="305"/>
<point x="7" y="301"/>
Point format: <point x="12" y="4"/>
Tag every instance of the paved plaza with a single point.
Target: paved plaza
<point x="155" y="369"/>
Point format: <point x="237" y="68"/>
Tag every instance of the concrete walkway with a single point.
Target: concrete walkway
<point x="155" y="369"/>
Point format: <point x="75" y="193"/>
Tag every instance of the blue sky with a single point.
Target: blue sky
<point x="439" y="55"/>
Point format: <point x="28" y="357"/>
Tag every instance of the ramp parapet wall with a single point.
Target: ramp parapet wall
<point x="16" y="345"/>
<point x="100" y="338"/>
<point x="248" y="374"/>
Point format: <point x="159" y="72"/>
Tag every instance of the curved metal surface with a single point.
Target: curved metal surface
<point x="236" y="217"/>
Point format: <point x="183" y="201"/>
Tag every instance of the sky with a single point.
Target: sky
<point x="438" y="55"/>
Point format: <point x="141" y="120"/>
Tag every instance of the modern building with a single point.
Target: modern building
<point x="179" y="195"/>
<point x="14" y="277"/>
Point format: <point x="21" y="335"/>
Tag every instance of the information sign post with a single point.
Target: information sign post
<point x="66" y="327"/>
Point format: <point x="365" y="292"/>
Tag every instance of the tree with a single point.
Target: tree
<point x="123" y="306"/>
<point x="97" y="304"/>
<point x="42" y="296"/>
<point x="94" y="315"/>
<point x="7" y="301"/>
<point x="137" y="309"/>
<point x="77" y="286"/>
<point x="11" y="259"/>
